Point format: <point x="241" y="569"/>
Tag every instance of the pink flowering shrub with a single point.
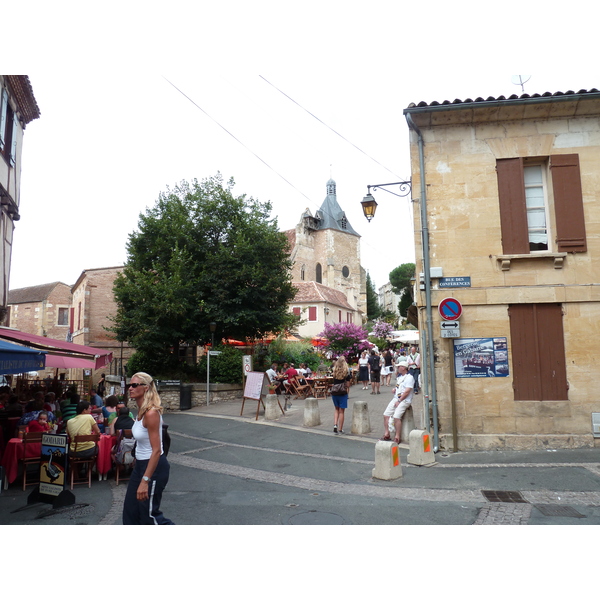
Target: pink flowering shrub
<point x="344" y="339"/>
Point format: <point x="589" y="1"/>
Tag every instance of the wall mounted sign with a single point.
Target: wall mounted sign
<point x="480" y="357"/>
<point x="452" y="282"/>
<point x="450" y="309"/>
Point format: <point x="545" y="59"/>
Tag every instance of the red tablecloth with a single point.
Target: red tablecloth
<point x="105" y="445"/>
<point x="14" y="451"/>
<point x="12" y="454"/>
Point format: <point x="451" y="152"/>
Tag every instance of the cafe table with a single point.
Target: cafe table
<point x="14" y="452"/>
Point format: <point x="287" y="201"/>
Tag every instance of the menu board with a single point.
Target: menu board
<point x="256" y="385"/>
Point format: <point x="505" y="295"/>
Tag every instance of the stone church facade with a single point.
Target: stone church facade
<point x="331" y="283"/>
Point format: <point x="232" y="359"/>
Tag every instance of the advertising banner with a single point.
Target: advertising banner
<point x="480" y="357"/>
<point x="53" y="465"/>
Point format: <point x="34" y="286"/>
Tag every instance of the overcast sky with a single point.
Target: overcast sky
<point x="114" y="132"/>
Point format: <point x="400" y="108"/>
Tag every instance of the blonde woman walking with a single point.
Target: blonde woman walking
<point x="339" y="393"/>
<point x="151" y="472"/>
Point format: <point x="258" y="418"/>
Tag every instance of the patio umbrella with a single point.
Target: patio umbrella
<point x="17" y="359"/>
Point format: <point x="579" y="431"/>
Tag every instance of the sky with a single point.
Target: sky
<point x="136" y="97"/>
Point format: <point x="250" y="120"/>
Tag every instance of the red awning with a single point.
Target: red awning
<point x="68" y="362"/>
<point x="94" y="356"/>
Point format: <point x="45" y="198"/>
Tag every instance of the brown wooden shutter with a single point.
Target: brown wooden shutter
<point x="296" y="310"/>
<point x="538" y="352"/>
<point x="312" y="313"/>
<point x="513" y="210"/>
<point x="568" y="203"/>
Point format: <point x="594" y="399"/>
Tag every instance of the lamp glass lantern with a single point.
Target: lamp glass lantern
<point x="369" y="206"/>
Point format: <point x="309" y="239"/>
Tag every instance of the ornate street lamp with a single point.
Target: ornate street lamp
<point x="369" y="205"/>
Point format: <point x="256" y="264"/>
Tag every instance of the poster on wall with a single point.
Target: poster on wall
<point x="480" y="357"/>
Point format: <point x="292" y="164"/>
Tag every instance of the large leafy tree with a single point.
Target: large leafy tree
<point x="202" y="255"/>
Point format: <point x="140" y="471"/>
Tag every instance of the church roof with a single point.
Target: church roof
<point x="311" y="291"/>
<point x="331" y="215"/>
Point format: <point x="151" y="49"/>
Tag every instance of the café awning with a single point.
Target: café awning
<point x="95" y="356"/>
<point x="17" y="359"/>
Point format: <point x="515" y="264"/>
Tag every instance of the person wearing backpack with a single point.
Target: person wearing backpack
<point x="151" y="472"/>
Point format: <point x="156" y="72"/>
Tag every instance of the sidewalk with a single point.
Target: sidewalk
<point x="294" y="416"/>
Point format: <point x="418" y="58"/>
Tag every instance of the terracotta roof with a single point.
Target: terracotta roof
<point x="35" y="293"/>
<point x="291" y="236"/>
<point x="569" y="95"/>
<point x="20" y="88"/>
<point x="311" y="291"/>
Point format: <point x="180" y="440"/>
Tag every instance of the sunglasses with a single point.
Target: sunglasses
<point x="134" y="385"/>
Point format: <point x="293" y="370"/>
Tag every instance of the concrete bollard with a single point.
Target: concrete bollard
<point x="312" y="416"/>
<point x="408" y="424"/>
<point x="360" y="417"/>
<point x="420" y="449"/>
<point x="387" y="461"/>
<point x="272" y="410"/>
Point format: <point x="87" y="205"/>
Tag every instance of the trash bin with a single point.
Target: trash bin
<point x="185" y="396"/>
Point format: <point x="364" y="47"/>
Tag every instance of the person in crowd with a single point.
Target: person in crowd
<point x="275" y="378"/>
<point x="414" y="366"/>
<point x="101" y="387"/>
<point x="96" y="400"/>
<point x="400" y="402"/>
<point x="50" y="402"/>
<point x="41" y="423"/>
<point x="35" y="408"/>
<point x="14" y="408"/>
<point x="363" y="370"/>
<point x="123" y="421"/>
<point x="68" y="408"/>
<point x="82" y="424"/>
<point x="151" y="472"/>
<point x="388" y="367"/>
<point x="375" y="372"/>
<point x="109" y="410"/>
<point x="341" y="375"/>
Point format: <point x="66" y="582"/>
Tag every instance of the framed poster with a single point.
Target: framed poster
<point x="480" y="357"/>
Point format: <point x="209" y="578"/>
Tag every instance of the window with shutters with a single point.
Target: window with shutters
<point x="8" y="129"/>
<point x="312" y="313"/>
<point x="538" y="352"/>
<point x="541" y="204"/>
<point x="297" y="311"/>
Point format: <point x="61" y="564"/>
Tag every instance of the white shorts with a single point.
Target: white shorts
<point x="396" y="411"/>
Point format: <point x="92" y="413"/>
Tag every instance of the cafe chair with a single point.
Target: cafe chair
<point x="31" y="455"/>
<point x="299" y="390"/>
<point x="77" y="462"/>
<point x="320" y="388"/>
<point x="122" y="464"/>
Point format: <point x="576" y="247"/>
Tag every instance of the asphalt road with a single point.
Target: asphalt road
<point x="228" y="469"/>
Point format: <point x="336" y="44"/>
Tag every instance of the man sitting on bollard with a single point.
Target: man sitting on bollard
<point x="400" y="403"/>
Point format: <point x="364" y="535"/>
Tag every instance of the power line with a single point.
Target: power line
<point x="328" y="127"/>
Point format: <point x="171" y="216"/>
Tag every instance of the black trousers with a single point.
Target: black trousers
<point x="146" y="512"/>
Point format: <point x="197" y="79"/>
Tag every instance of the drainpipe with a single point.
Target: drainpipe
<point x="431" y="389"/>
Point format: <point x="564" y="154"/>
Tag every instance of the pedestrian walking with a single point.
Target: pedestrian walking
<point x="339" y="393"/>
<point x="151" y="472"/>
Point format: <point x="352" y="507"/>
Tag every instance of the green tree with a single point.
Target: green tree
<point x="400" y="278"/>
<point x="373" y="308"/>
<point x="200" y="255"/>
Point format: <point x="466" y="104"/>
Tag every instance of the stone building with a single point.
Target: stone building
<point x="325" y="250"/>
<point x="93" y="306"/>
<point x="18" y="108"/>
<point x="513" y="221"/>
<point x="41" y="309"/>
<point x="389" y="300"/>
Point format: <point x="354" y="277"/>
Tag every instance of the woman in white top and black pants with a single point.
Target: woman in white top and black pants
<point x="151" y="472"/>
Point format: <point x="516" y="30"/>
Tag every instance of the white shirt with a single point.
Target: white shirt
<point x="403" y="383"/>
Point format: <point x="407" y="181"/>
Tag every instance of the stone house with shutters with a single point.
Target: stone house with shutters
<point x="326" y="269"/>
<point x="18" y="108"/>
<point x="512" y="189"/>
<point x="41" y="310"/>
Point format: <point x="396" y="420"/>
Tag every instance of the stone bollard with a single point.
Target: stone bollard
<point x="408" y="424"/>
<point x="272" y="410"/>
<point x="312" y="416"/>
<point x="360" y="417"/>
<point x="387" y="461"/>
<point x="420" y="450"/>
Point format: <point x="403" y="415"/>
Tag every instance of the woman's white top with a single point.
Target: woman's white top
<point x="143" y="448"/>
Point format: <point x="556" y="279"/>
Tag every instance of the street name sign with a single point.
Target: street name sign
<point x="451" y="282"/>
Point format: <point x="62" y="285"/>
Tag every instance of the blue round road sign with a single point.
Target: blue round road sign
<point x="450" y="309"/>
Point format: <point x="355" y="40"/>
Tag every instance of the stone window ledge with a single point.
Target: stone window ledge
<point x="557" y="257"/>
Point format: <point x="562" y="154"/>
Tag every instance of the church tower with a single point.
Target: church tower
<point x="326" y="250"/>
